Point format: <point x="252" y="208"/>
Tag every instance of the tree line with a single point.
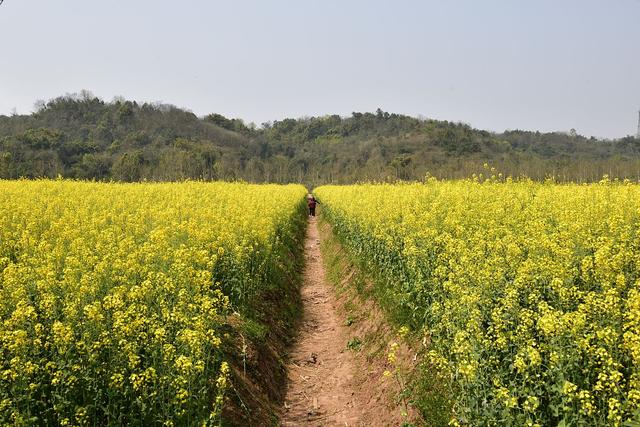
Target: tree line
<point x="82" y="136"/>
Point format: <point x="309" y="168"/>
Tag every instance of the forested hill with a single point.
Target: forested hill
<point x="81" y="136"/>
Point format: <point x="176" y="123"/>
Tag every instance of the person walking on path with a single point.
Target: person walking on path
<point x="312" y="202"/>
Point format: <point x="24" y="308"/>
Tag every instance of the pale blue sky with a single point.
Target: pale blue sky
<point x="496" y="64"/>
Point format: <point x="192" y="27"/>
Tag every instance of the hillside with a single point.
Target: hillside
<point x="81" y="136"/>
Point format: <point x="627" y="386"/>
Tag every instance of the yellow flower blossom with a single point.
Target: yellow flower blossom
<point x="117" y="295"/>
<point x="514" y="282"/>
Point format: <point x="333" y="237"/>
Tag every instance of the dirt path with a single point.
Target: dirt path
<point x="320" y="384"/>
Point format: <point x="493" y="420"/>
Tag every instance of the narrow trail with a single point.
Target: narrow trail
<point x="320" y="371"/>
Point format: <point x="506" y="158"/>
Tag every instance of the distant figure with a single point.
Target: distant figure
<point x="312" y="202"/>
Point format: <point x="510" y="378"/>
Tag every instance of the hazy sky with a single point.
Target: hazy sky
<point x="510" y="64"/>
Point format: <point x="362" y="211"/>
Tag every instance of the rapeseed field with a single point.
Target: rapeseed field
<point x="526" y="295"/>
<point x="113" y="296"/>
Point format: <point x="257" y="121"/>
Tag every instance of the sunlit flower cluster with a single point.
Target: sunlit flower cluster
<point x="113" y="297"/>
<point x="529" y="293"/>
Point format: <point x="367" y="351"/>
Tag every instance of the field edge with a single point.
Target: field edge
<point x="393" y="360"/>
<point x="256" y="344"/>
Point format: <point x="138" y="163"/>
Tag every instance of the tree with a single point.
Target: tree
<point x="79" y="135"/>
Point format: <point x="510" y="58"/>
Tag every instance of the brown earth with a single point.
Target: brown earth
<point x="328" y="383"/>
<point x="381" y="397"/>
<point x="320" y="389"/>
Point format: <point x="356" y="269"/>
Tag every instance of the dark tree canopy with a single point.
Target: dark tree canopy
<point x="81" y="136"/>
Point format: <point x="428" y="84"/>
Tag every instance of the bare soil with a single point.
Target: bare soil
<point x="321" y="388"/>
<point x="380" y="396"/>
